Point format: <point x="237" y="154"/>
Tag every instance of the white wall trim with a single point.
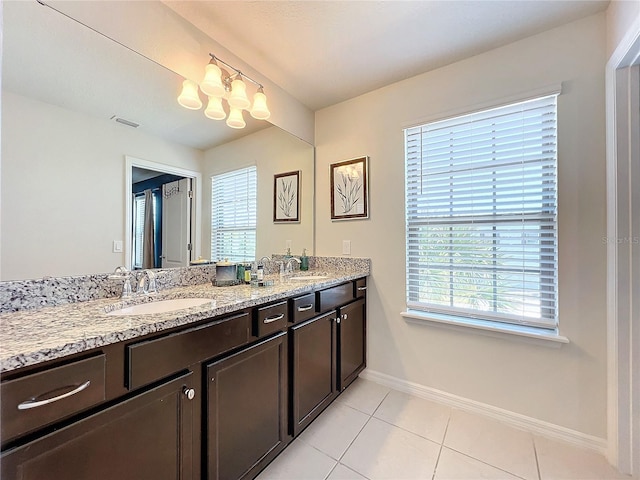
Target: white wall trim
<point x="517" y="420"/>
<point x="625" y="54"/>
<point x="131" y="162"/>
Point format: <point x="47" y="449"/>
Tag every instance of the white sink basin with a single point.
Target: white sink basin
<point x="301" y="278"/>
<point x="161" y="306"/>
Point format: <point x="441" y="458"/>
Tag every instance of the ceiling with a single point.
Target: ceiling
<point x="325" y="52"/>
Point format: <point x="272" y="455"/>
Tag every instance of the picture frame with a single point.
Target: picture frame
<point x="286" y="197"/>
<point x="349" y="189"/>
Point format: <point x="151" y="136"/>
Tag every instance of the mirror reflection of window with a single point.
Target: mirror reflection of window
<point x="138" y="226"/>
<point x="234" y="215"/>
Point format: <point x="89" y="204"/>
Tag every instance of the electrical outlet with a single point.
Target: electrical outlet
<point x="346" y="247"/>
<point x="117" y="246"/>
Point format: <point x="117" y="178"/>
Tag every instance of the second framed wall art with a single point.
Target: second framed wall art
<point x="349" y="189"/>
<point x="286" y="197"/>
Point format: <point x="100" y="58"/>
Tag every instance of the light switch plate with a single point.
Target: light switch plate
<point x="346" y="247"/>
<point x="117" y="246"/>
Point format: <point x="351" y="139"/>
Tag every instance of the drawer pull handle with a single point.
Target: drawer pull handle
<point x="273" y="318"/>
<point x="362" y="289"/>
<point x="305" y="308"/>
<point x="33" y="404"/>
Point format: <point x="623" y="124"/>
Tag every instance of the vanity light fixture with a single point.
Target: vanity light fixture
<point x="219" y="84"/>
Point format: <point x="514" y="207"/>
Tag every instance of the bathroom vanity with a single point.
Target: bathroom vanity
<point x="214" y="391"/>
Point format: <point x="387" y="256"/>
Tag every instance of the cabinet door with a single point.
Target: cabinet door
<point x="246" y="410"/>
<point x="352" y="342"/>
<point x="146" y="436"/>
<point x="313" y="368"/>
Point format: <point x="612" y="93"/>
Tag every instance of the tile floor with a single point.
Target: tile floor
<point x="373" y="432"/>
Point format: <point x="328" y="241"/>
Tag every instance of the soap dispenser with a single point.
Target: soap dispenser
<point x="304" y="260"/>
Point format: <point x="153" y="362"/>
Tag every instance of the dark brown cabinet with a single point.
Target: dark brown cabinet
<point x="313" y="369"/>
<point x="146" y="436"/>
<point x="352" y="353"/>
<point x="218" y="399"/>
<point x="246" y="409"/>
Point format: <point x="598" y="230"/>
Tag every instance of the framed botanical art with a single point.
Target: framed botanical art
<point x="286" y="197"/>
<point x="349" y="194"/>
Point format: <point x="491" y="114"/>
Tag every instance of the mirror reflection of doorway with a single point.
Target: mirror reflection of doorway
<point x="161" y="227"/>
<point x="161" y="219"/>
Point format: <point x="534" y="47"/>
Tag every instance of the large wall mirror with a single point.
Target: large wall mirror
<point x="69" y="96"/>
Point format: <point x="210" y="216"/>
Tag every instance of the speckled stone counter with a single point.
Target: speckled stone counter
<point x="28" y="337"/>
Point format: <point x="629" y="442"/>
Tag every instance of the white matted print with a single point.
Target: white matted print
<point x="286" y="197"/>
<point x="349" y="194"/>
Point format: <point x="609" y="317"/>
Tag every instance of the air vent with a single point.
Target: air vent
<point x="125" y="122"/>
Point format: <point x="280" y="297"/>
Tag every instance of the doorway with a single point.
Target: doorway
<point x="162" y="227"/>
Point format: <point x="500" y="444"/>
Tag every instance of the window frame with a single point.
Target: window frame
<point x="245" y="235"/>
<point x="473" y="317"/>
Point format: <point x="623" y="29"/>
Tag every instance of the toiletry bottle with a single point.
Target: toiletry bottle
<point x="260" y="273"/>
<point x="304" y="260"/>
<point x="240" y="272"/>
<point x="247" y="273"/>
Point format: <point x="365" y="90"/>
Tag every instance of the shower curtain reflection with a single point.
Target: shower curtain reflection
<point x="149" y="244"/>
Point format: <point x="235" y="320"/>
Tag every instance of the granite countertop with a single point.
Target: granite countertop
<point x="28" y="337"/>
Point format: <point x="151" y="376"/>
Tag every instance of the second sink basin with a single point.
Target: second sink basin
<point x="161" y="306"/>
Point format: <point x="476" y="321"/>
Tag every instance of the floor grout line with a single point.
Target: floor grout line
<point x="535" y="454"/>
<point x="435" y="466"/>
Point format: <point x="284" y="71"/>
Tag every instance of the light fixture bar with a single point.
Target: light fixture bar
<point x="238" y="72"/>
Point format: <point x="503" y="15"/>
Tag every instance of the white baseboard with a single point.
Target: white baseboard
<point x="516" y="420"/>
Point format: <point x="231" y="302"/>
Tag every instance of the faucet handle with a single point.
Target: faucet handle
<point x="126" y="288"/>
<point x="152" y="288"/>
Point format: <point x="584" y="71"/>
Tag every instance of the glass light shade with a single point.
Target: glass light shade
<point x="214" y="109"/>
<point x="235" y="119"/>
<point x="188" y="97"/>
<point x="238" y="98"/>
<point x="211" y="84"/>
<point x="260" y="109"/>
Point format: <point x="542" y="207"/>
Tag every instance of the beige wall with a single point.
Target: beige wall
<point x="63" y="187"/>
<point x="621" y="14"/>
<point x="565" y="386"/>
<point x="273" y="151"/>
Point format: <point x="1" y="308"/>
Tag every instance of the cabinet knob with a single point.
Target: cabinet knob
<point x="344" y="317"/>
<point x="338" y="320"/>
<point x="189" y="392"/>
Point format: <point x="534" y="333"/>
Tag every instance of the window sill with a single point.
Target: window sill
<point x="532" y="334"/>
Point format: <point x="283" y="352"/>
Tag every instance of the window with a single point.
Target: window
<point x="481" y="222"/>
<point x="138" y="226"/>
<point x="233" y="215"/>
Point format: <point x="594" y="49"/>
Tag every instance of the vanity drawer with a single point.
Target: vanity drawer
<point x="303" y="308"/>
<point x="157" y="358"/>
<point x="270" y="319"/>
<point x="335" y="296"/>
<point x="361" y="288"/>
<point x="42" y="398"/>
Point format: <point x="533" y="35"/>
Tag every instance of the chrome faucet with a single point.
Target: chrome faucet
<point x="289" y="266"/>
<point x="148" y="286"/>
<point x="268" y="259"/>
<point x="123" y="273"/>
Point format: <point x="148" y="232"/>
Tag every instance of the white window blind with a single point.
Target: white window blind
<point x="233" y="215"/>
<point x="138" y="226"/>
<point x="481" y="214"/>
